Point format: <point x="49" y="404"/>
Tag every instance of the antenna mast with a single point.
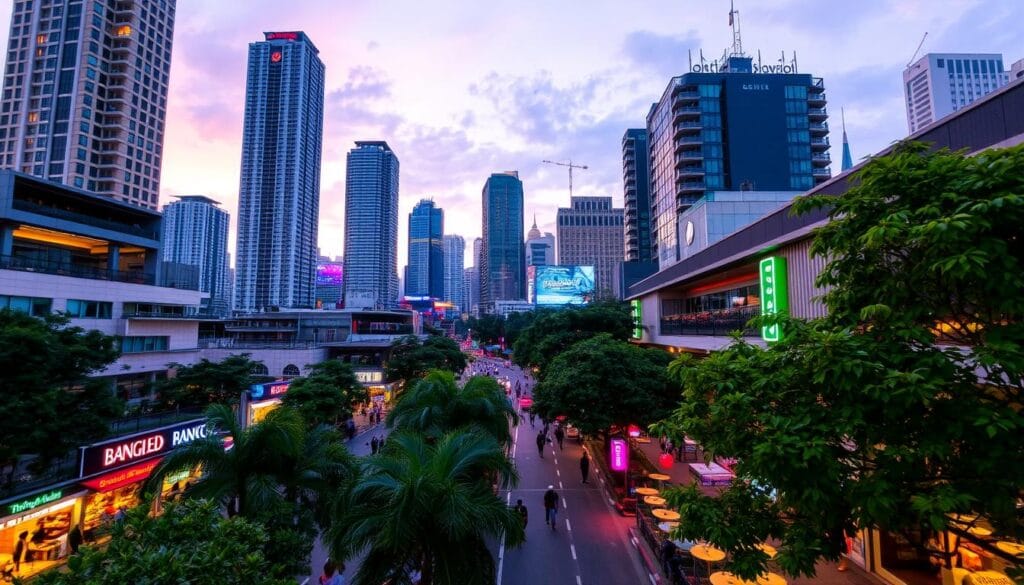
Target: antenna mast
<point x="918" y="49"/>
<point x="734" y="22"/>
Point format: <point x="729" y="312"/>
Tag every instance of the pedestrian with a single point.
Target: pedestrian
<point x="20" y="550"/>
<point x="551" y="507"/>
<point x="350" y="428"/>
<point x="523" y="513"/>
<point x="75" y="539"/>
<point x="668" y="550"/>
<point x="585" y="466"/>
<point x="559" y="436"/>
<point x="332" y="574"/>
<point x="373" y="445"/>
<point x="541" y="440"/>
<point x="380" y="444"/>
<point x="533" y="419"/>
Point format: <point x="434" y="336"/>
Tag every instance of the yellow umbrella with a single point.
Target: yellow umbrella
<point x="768" y="550"/>
<point x="663" y="514"/>
<point x="654" y="501"/>
<point x="646" y="491"/>
<point x="706" y="552"/>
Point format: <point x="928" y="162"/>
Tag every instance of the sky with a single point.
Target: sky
<point x="464" y="88"/>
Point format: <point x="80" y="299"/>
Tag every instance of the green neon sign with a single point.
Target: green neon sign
<point x="638" y="320"/>
<point x="25" y="505"/>
<point x="774" y="294"/>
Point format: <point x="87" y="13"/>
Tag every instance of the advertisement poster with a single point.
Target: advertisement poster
<point x="564" y="285"/>
<point x="329" y="274"/>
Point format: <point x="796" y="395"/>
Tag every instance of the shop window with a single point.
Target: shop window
<point x="144" y="344"/>
<point x="291" y="370"/>
<point x="260" y="370"/>
<point x="35" y="306"/>
<point x="90" y="309"/>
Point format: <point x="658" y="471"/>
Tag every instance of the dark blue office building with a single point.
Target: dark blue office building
<point x="503" y="256"/>
<point x="733" y="125"/>
<point x="637" y="190"/>
<point x="424" y="275"/>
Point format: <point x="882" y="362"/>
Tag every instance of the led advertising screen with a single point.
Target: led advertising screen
<point x="328" y="274"/>
<point x="564" y="285"/>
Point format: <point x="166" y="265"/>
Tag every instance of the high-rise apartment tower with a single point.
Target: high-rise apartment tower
<point x="371" y="226"/>
<point x="939" y="84"/>
<point x="195" y="233"/>
<point x="424" y="275"/>
<point x="503" y="256"/>
<point x="454" y="273"/>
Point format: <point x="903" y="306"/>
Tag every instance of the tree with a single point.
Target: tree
<point x="50" y="403"/>
<point x="189" y="543"/>
<point x="209" y="382"/>
<point x="903" y="406"/>
<point x="437" y="405"/>
<point x="600" y="382"/>
<point x="327" y="394"/>
<point x="411" y="358"/>
<point x="487" y="329"/>
<point x="426" y="504"/>
<point x="552" y="332"/>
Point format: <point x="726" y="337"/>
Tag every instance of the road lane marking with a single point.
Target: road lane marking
<point x="558" y="473"/>
<point x="561" y="487"/>
<point x="572" y="547"/>
<point x="578" y="580"/>
<point x="653" y="580"/>
<point x="567" y="525"/>
<point x="564" y="505"/>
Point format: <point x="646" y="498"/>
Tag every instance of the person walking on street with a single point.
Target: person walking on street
<point x="559" y="436"/>
<point x="585" y="466"/>
<point x="523" y="513"/>
<point x="551" y="507"/>
<point x="533" y="419"/>
<point x="541" y="440"/>
<point x="373" y="445"/>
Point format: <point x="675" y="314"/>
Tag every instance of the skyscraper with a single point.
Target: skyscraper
<point x="279" y="193"/>
<point x="939" y="84"/>
<point x="478" y="246"/>
<point x="472" y="286"/>
<point x="85" y="94"/>
<point x="195" y="233"/>
<point x="733" y="125"/>
<point x="503" y="257"/>
<point x="424" y="276"/>
<point x="371" y="226"/>
<point x="590" y="233"/>
<point x="454" y="272"/>
<point x="540" y="249"/>
<point x="637" y="190"/>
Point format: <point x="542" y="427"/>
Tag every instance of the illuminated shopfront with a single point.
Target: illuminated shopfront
<point x="262" y="399"/>
<point x="46" y="519"/>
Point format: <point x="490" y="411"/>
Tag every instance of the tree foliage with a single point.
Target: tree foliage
<point x="189" y="543"/>
<point x="207" y="382"/>
<point x="602" y="381"/>
<point x="429" y="505"/>
<point x="412" y="358"/>
<point x="437" y="405"/>
<point x="903" y="406"/>
<point x="553" y="331"/>
<point x="50" y="405"/>
<point x="327" y="395"/>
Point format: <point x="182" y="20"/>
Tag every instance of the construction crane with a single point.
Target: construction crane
<point x="918" y="49"/>
<point x="571" y="167"/>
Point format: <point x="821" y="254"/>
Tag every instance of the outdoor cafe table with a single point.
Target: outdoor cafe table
<point x="707" y="553"/>
<point x="726" y="578"/>
<point x="663" y="514"/>
<point x="1012" y="548"/>
<point x="646" y="491"/>
<point x="768" y="550"/>
<point x="712" y="474"/>
<point x="654" y="500"/>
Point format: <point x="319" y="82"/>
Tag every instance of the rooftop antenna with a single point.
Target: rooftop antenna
<point x="918" y="49"/>
<point x="571" y="167"/>
<point x="734" y="22"/>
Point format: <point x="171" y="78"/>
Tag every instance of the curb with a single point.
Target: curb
<point x="651" y="563"/>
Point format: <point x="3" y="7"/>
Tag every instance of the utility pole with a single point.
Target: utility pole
<point x="571" y="167"/>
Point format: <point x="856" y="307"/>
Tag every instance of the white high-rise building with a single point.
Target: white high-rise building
<point x="590" y="233"/>
<point x="85" y="94"/>
<point x="540" y="249"/>
<point x="454" y="272"/>
<point x="195" y="233"/>
<point x="939" y="84"/>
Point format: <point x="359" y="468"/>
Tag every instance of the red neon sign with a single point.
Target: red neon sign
<point x="619" y="455"/>
<point x="282" y="36"/>
<point x="275" y="57"/>
<point x="122" y="477"/>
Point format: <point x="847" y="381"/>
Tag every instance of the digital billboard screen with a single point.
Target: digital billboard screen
<point x="328" y="274"/>
<point x="564" y="285"/>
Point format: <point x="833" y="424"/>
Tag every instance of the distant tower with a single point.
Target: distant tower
<point x="540" y="249"/>
<point x="424" y="276"/>
<point x="371" y="226"/>
<point x="847" y="158"/>
<point x="590" y="233"/>
<point x="503" y="258"/>
<point x="454" y="272"/>
<point x="195" y="233"/>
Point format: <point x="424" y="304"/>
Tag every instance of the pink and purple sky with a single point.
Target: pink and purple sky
<point x="464" y="88"/>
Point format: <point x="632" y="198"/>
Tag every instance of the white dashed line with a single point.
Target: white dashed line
<point x="653" y="580"/>
<point x="578" y="580"/>
<point x="558" y="473"/>
<point x="564" y="505"/>
<point x="561" y="487"/>
<point x="567" y="525"/>
<point x="572" y="547"/>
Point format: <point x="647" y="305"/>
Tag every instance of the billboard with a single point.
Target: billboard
<point x="564" y="285"/>
<point x="328" y="274"/>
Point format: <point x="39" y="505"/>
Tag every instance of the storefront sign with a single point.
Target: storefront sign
<point x="68" y="501"/>
<point x="774" y="294"/>
<point x="268" y="390"/>
<point x="122" y="477"/>
<point x="369" y="377"/>
<point x="619" y="458"/>
<point x="34" y="502"/>
<point x="116" y="453"/>
<point x="638" y="318"/>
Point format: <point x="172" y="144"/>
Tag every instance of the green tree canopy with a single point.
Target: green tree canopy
<point x="189" y="543"/>
<point x="412" y="358"/>
<point x="487" y="329"/>
<point x="553" y="331"/>
<point x="903" y="406"/>
<point x="602" y="381"/>
<point x="437" y="405"/>
<point x="209" y="382"/>
<point x="327" y="395"/>
<point x="50" y="405"/>
<point x="427" y="504"/>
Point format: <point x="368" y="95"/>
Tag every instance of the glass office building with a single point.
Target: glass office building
<point x="424" y="275"/>
<point x="371" y="226"/>
<point x="503" y="256"/>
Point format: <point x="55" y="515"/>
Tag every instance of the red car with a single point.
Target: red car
<point x="525" y="402"/>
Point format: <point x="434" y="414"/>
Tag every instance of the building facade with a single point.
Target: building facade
<point x="471" y="284"/>
<point x="330" y="282"/>
<point x="590" y="233"/>
<point x="939" y="84"/>
<point x="279" y="193"/>
<point x="502" y="255"/>
<point x="731" y="129"/>
<point x="85" y="95"/>
<point x="636" y="185"/>
<point x="371" y="226"/>
<point x="195" y="233"/>
<point x="1017" y="69"/>
<point x="540" y="249"/>
<point x="425" y="275"/>
<point x="454" y="273"/>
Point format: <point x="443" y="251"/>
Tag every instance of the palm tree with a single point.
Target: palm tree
<point x="437" y="405"/>
<point x="427" y="504"/>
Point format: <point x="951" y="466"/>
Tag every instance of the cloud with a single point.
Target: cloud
<point x="663" y="55"/>
<point x="534" y="107"/>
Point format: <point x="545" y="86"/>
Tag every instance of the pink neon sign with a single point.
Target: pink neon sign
<point x="619" y="455"/>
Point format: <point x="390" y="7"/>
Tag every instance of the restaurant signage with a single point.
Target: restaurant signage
<point x="34" y="502"/>
<point x="369" y="377"/>
<point x="638" y="318"/>
<point x="619" y="455"/>
<point x="268" y="390"/>
<point x="122" y="451"/>
<point x="774" y="294"/>
<point x="122" y="477"/>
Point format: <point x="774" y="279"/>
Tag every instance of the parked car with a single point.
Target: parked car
<point x="572" y="432"/>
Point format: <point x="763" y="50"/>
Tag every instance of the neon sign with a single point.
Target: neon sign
<point x="275" y="57"/>
<point x="115" y="453"/>
<point x="24" y="505"/>
<point x="282" y="36"/>
<point x="619" y="455"/>
<point x="638" y="318"/>
<point x="774" y="294"/>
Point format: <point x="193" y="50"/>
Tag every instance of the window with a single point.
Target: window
<point x="291" y="370"/>
<point x="89" y="309"/>
<point x="142" y="344"/>
<point x="35" y="306"/>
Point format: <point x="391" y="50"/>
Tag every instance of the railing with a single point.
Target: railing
<point x="84" y="219"/>
<point x="718" y="323"/>
<point x="60" y="268"/>
<point x="159" y="315"/>
<point x="230" y="343"/>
